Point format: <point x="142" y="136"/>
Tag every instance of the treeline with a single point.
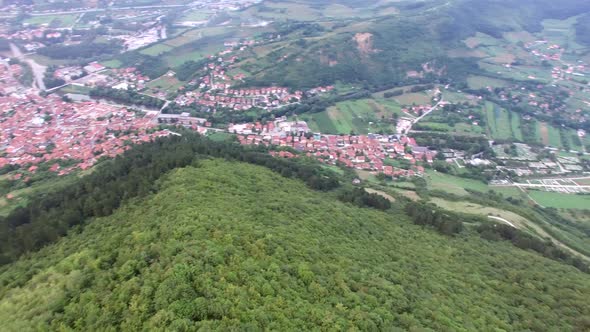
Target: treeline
<point x="151" y="66"/>
<point x="48" y="217"/>
<point x="420" y="88"/>
<point x="471" y="145"/>
<point x="583" y="30"/>
<point x="577" y="232"/>
<point x="51" y="81"/>
<point x="393" y="93"/>
<point x="318" y="104"/>
<point x="451" y="223"/>
<point x="498" y="232"/>
<point x="310" y="105"/>
<point x="27" y="77"/>
<point x="428" y="214"/>
<point x="188" y="69"/>
<point x="130" y="97"/>
<point x="361" y="198"/>
<point x="84" y="50"/>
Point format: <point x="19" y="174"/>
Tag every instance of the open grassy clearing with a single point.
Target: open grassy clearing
<point x="515" y="126"/>
<point x="112" y="63"/>
<point x="164" y="83"/>
<point x="557" y="200"/>
<point x="515" y="220"/>
<point x="196" y="34"/>
<point x="156" y="49"/>
<point x="175" y="59"/>
<point x="55" y="21"/>
<point x="380" y="193"/>
<point x="219" y="136"/>
<point x="360" y="116"/>
<point x="499" y="122"/>
<point x="519" y="36"/>
<point x="418" y="98"/>
<point x="562" y="32"/>
<point x="472" y="208"/>
<point x="77" y="89"/>
<point x="452" y="184"/>
<point x="457" y="185"/>
<point x="481" y="39"/>
<point x="482" y="82"/>
<point x="459" y="97"/>
<point x="518" y="73"/>
<point x="47" y="61"/>
<point x="554" y="136"/>
<point x="196" y="15"/>
<point x="406" y="193"/>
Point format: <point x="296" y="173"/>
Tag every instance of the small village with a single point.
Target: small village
<point x="360" y="152"/>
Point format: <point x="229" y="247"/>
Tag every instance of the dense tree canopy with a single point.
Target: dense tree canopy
<point x="225" y="246"/>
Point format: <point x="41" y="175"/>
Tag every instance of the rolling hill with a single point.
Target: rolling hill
<point x="222" y="245"/>
<point x="409" y="45"/>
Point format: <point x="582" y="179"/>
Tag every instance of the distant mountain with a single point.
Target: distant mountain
<point x="231" y="246"/>
<point x="392" y="49"/>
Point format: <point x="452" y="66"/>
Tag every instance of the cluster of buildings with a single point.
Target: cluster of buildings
<point x="128" y="78"/>
<point x="31" y="34"/>
<point x="543" y="50"/>
<point x="143" y="38"/>
<point x="9" y="75"/>
<point x="69" y="73"/>
<point x="36" y="129"/>
<point x="215" y="89"/>
<point x="240" y="100"/>
<point x="361" y="152"/>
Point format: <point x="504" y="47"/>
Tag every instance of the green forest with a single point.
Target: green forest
<point x="224" y="244"/>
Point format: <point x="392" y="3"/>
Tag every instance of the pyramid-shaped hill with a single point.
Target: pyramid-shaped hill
<point x="232" y="246"/>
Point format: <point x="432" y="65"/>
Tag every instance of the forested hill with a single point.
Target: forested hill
<point x="223" y="245"/>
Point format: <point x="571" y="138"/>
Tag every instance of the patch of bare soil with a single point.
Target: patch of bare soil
<point x="364" y="42"/>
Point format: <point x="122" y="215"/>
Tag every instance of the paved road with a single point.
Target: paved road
<point x="502" y="220"/>
<point x="425" y="114"/>
<point x="38" y="70"/>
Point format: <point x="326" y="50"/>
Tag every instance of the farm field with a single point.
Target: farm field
<point x="499" y="122"/>
<point x="562" y="201"/>
<point x="284" y="11"/>
<point x="164" y="83"/>
<point x="554" y="137"/>
<point x="482" y="82"/>
<point x="406" y="193"/>
<point x="70" y="88"/>
<point x="418" y="98"/>
<point x="458" y="97"/>
<point x="562" y="32"/>
<point x="156" y="49"/>
<point x="457" y="185"/>
<point x="515" y="127"/>
<point x="175" y="59"/>
<point x="196" y="15"/>
<point x="359" y="116"/>
<point x="55" y="21"/>
<point x="452" y="184"/>
<point x="112" y="63"/>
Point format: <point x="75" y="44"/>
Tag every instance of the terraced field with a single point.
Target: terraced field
<point x="359" y="116"/>
<point x="499" y="122"/>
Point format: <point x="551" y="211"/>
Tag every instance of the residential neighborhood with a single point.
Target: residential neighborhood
<point x="361" y="152"/>
<point x="36" y="130"/>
